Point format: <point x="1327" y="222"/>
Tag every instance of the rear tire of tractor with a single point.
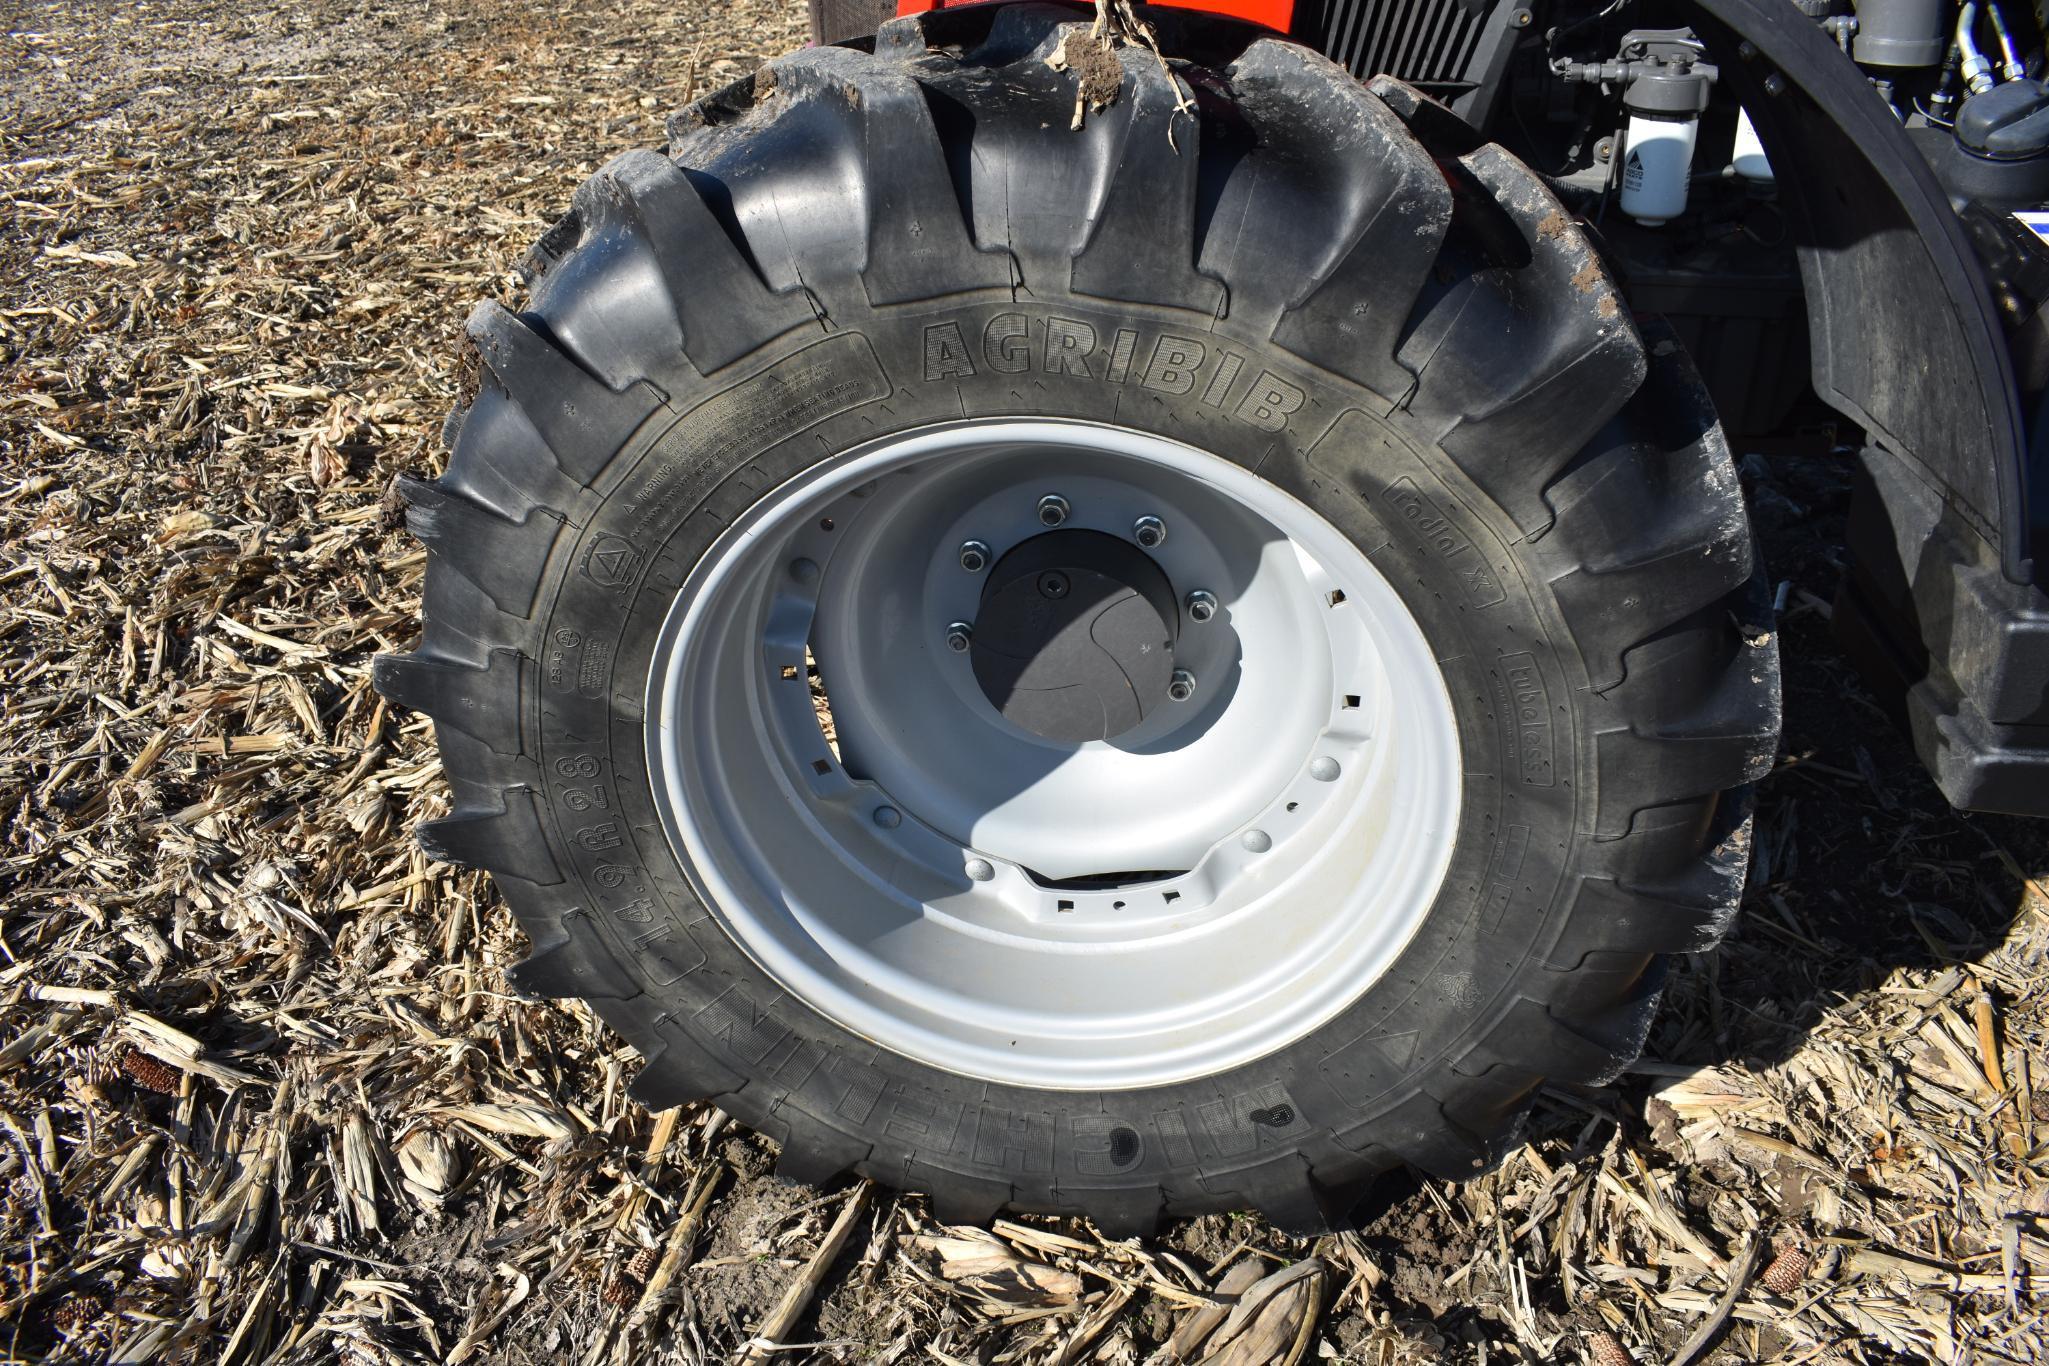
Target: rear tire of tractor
<point x="1337" y="288"/>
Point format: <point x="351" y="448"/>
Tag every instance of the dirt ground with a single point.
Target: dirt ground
<point x="266" y="1095"/>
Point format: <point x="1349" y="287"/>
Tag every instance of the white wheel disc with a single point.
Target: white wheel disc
<point x="1190" y="895"/>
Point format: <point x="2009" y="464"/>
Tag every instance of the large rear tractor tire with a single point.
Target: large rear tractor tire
<point x="1160" y="668"/>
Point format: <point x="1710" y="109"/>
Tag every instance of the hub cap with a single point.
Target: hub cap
<point x="1074" y="638"/>
<point x="1044" y="825"/>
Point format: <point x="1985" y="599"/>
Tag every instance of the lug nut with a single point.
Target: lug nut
<point x="974" y="556"/>
<point x="1202" y="605"/>
<point x="1181" y="686"/>
<point x="959" y="636"/>
<point x="1149" y="532"/>
<point x="1052" y="510"/>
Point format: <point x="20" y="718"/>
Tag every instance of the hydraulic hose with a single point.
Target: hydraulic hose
<point x="1977" y="71"/>
<point x="2014" y="68"/>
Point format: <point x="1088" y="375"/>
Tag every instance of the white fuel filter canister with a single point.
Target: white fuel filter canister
<point x="1657" y="159"/>
<point x="1664" y="100"/>
<point x="1749" y="160"/>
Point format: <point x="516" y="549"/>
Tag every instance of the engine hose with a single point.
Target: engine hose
<point x="2014" y="68"/>
<point x="1977" y="71"/>
<point x="1943" y="101"/>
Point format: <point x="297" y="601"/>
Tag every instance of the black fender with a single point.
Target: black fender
<point x="1943" y="604"/>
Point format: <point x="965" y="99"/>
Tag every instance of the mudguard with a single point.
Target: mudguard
<point x="1943" y="605"/>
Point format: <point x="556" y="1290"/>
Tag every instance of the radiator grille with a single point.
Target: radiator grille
<point x="1430" y="42"/>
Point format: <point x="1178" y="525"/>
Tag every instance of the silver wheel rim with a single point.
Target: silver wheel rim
<point x="1184" y="898"/>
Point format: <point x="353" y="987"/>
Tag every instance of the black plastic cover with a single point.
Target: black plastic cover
<point x="1074" y="639"/>
<point x="2008" y="122"/>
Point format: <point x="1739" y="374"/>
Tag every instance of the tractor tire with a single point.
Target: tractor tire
<point x="1469" y="667"/>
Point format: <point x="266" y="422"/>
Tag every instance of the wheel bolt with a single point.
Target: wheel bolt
<point x="1181" y="686"/>
<point x="1149" y="532"/>
<point x="959" y="636"/>
<point x="1202" y="605"/>
<point x="1052" y="510"/>
<point x="974" y="556"/>
<point x="1053" y="584"/>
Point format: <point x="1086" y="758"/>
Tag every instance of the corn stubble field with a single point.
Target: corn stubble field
<point x="266" y="1095"/>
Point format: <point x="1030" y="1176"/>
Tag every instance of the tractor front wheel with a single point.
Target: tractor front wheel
<point x="1154" y="668"/>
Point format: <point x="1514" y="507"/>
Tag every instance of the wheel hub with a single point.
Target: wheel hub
<point x="1074" y="639"/>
